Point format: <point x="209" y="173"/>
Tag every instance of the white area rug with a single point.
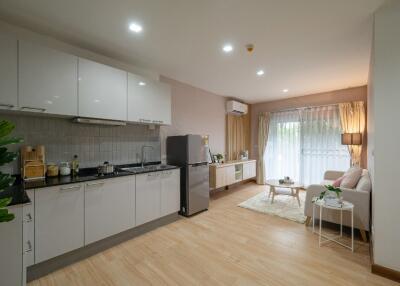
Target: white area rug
<point x="284" y="206"/>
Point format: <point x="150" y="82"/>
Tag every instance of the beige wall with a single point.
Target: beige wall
<point x="385" y="151"/>
<point x="195" y="111"/>
<point x="332" y="97"/>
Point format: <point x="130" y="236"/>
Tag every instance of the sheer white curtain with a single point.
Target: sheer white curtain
<point x="303" y="144"/>
<point x="282" y="157"/>
<point x="321" y="143"/>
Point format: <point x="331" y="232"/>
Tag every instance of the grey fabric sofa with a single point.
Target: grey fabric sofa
<point x="360" y="199"/>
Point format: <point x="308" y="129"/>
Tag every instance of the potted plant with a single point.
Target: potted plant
<point x="6" y="180"/>
<point x="327" y="194"/>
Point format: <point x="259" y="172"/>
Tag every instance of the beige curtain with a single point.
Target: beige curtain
<point x="352" y="119"/>
<point x="263" y="129"/>
<point x="237" y="135"/>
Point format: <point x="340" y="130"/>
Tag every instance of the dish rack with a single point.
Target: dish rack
<point x="33" y="162"/>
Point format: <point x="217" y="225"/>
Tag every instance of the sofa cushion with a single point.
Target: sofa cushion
<point x="351" y="178"/>
<point x="327" y="182"/>
<point x="337" y="182"/>
<point x="364" y="184"/>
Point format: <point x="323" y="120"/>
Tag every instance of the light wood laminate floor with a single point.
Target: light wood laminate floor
<point x="226" y="245"/>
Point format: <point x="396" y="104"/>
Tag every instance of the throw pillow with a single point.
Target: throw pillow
<point x="364" y="184"/>
<point x="351" y="178"/>
<point x="337" y="182"/>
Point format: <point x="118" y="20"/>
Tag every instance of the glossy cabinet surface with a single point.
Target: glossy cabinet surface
<point x="59" y="220"/>
<point x="249" y="170"/>
<point x="148" y="101"/>
<point x="102" y="91"/>
<point x="109" y="207"/>
<point x="29" y="230"/>
<point x="11" y="262"/>
<point x="170" y="192"/>
<point x="47" y="80"/>
<point x="148" y="197"/>
<point x="8" y="72"/>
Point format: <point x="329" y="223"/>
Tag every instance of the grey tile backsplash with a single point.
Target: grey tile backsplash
<point x="93" y="144"/>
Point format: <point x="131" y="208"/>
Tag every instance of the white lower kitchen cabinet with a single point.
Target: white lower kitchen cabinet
<point x="170" y="192"/>
<point x="59" y="220"/>
<point x="148" y="197"/>
<point x="29" y="230"/>
<point x="11" y="260"/>
<point x="109" y="207"/>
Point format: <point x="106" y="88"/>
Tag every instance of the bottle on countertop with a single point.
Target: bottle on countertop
<point x="75" y="166"/>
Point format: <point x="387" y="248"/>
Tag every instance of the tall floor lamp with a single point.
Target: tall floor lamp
<point x="351" y="139"/>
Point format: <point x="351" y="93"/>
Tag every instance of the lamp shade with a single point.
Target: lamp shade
<point x="352" y="139"/>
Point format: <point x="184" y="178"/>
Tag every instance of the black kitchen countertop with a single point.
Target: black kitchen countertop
<point x="18" y="191"/>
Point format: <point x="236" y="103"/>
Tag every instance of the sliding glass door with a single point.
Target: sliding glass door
<point x="282" y="157"/>
<point x="303" y="144"/>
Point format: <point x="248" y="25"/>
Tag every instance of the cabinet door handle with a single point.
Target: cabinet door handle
<point x="6" y="105"/>
<point x="95" y="184"/>
<point x="70" y="188"/>
<point x="34" y="108"/>
<point x="29" y="247"/>
<point x="29" y="218"/>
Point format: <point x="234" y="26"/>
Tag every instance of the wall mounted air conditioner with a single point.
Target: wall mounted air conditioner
<point x="235" y="107"/>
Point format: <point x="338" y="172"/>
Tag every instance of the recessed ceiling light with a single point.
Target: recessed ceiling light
<point x="142" y="83"/>
<point x="260" y="72"/>
<point x="285" y="90"/>
<point x="134" y="27"/>
<point x="227" y="48"/>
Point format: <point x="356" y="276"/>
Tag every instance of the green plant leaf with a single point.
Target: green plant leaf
<point x="7" y="217"/>
<point x="5" y="128"/>
<point x="6" y="181"/>
<point x="6" y="157"/>
<point x="5" y="202"/>
<point x="10" y="140"/>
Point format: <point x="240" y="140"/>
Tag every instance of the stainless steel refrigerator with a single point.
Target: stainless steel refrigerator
<point x="190" y="152"/>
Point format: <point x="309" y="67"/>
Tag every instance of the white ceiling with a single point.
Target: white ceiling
<point x="306" y="46"/>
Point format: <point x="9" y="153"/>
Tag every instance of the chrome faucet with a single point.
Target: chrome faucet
<point x="143" y="153"/>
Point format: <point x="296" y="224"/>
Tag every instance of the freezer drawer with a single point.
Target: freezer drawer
<point x="198" y="190"/>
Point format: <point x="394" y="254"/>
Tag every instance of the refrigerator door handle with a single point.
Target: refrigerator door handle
<point x="199" y="164"/>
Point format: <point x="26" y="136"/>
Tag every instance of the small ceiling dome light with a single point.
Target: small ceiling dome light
<point x="134" y="27"/>
<point x="260" y="72"/>
<point x="227" y="48"/>
<point x="250" y="48"/>
<point x="285" y="90"/>
<point x="142" y="83"/>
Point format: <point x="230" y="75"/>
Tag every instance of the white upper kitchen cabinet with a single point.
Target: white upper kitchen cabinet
<point x="59" y="220"/>
<point x="8" y="72"/>
<point x="148" y="101"/>
<point x="148" y="197"/>
<point x="109" y="207"/>
<point x="102" y="91"/>
<point x="170" y="192"/>
<point x="47" y="80"/>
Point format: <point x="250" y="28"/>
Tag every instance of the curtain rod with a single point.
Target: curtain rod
<point x="305" y="107"/>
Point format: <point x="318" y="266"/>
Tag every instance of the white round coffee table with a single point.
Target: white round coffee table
<point x="275" y="188"/>
<point x="346" y="206"/>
